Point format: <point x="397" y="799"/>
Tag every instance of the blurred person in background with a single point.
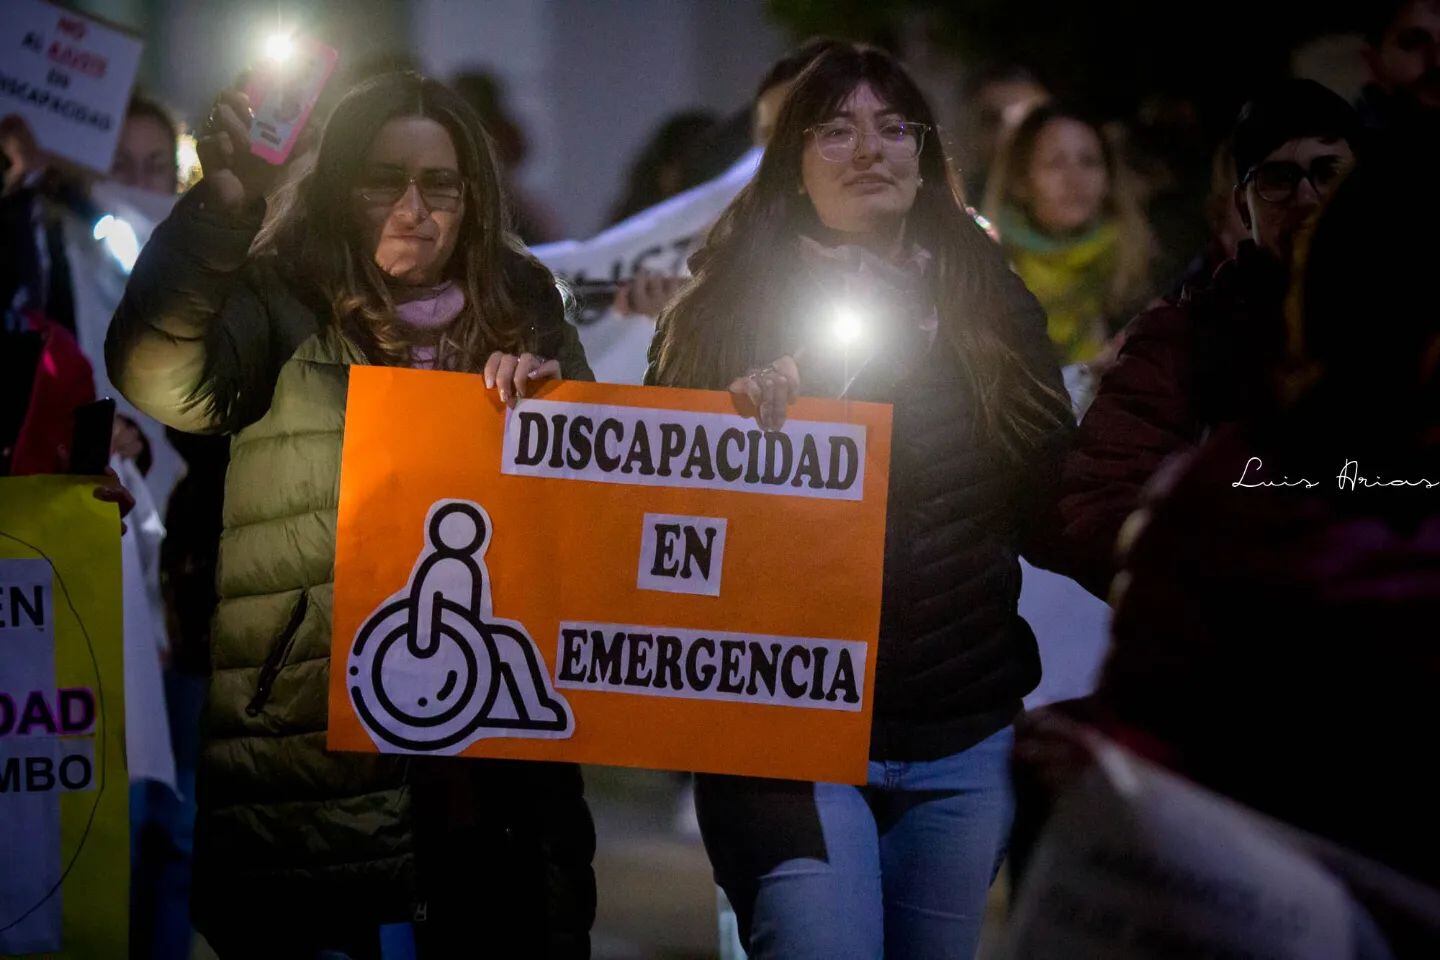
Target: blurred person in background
<point x="660" y="170"/>
<point x="485" y="93"/>
<point x="1167" y="151"/>
<point x="1073" y="227"/>
<point x="1403" y="53"/>
<point x="1273" y="621"/>
<point x="774" y="87"/>
<point x="146" y="168"/>
<point x="1186" y="367"/>
<point x="147" y="157"/>
<point x="648" y="293"/>
<point x="1224" y="226"/>
<point x="996" y="99"/>
<point x="387" y="246"/>
<point x="752" y="125"/>
<point x="855" y="197"/>
<point x="44" y="376"/>
<point x="147" y="160"/>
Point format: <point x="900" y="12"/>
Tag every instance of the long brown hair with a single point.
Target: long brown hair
<point x="728" y="318"/>
<point x="1131" y="282"/>
<point x="311" y="230"/>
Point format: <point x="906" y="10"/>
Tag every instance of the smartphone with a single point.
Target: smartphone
<point x="90" y="443"/>
<point x="283" y="94"/>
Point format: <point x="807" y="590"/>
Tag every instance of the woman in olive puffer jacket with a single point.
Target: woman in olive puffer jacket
<point x="390" y="248"/>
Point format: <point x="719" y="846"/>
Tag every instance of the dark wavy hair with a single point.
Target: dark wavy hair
<point x="729" y="317"/>
<point x="311" y="230"/>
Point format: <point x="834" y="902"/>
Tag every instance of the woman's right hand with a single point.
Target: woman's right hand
<point x="509" y="373"/>
<point x="236" y="176"/>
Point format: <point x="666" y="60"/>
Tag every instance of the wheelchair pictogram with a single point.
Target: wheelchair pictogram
<point x="433" y="669"/>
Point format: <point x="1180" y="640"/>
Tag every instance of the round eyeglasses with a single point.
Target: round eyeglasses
<point x="1277" y="180"/>
<point x="839" y="140"/>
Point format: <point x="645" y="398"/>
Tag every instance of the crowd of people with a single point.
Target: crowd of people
<point x="1239" y="458"/>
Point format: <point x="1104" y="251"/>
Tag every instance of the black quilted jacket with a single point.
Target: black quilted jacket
<point x="955" y="658"/>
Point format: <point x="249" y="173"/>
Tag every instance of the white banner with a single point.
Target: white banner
<point x="658" y="239"/>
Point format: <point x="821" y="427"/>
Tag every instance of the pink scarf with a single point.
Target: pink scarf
<point x="428" y="314"/>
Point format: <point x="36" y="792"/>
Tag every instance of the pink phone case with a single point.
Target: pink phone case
<point x="282" y="96"/>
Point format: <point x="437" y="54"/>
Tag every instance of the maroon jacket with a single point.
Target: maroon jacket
<point x="1183" y="368"/>
<point x="1282" y="642"/>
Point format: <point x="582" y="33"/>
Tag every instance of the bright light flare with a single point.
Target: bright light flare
<point x="847" y="326"/>
<point x="187" y="157"/>
<point x="119" y="239"/>
<point x="279" y="46"/>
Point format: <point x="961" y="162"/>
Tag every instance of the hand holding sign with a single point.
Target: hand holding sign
<point x="509" y="374"/>
<point x="771" y="390"/>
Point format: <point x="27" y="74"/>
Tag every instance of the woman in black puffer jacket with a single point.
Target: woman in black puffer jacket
<point x="854" y="205"/>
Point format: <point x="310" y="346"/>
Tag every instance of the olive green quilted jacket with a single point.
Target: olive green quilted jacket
<point x="210" y="339"/>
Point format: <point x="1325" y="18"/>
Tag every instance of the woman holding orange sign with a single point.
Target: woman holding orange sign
<point x="849" y="267"/>
<point x="389" y="247"/>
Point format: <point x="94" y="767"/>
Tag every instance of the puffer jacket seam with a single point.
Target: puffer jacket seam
<point x="253" y="439"/>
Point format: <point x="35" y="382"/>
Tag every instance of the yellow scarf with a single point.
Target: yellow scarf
<point x="1071" y="279"/>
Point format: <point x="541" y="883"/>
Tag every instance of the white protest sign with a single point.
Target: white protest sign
<point x="1136" y="863"/>
<point x="69" y="77"/>
<point x="658" y="239"/>
<point x="40" y="756"/>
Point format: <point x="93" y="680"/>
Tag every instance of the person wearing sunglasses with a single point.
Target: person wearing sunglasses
<point x="243" y="316"/>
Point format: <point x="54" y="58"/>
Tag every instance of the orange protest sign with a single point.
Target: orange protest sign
<point x="604" y="574"/>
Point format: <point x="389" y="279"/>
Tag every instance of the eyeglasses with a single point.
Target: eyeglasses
<point x="441" y="191"/>
<point x="838" y="140"/>
<point x="1277" y="181"/>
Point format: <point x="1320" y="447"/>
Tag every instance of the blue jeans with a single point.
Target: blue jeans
<point x="898" y="868"/>
<point x="162" y="832"/>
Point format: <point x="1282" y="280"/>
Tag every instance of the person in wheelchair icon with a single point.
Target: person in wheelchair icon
<point x="432" y="670"/>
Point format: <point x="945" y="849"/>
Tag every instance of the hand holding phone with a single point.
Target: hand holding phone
<point x="283" y="93"/>
<point x="251" y="134"/>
